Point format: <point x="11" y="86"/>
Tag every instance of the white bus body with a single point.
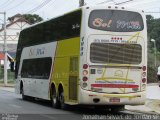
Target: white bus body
<point x="111" y="57"/>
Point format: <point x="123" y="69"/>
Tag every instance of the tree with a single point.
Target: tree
<point x="153" y="26"/>
<point x="32" y="18"/>
<point x="153" y="29"/>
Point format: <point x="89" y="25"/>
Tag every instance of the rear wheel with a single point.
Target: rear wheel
<point x="54" y="99"/>
<point x="61" y="99"/>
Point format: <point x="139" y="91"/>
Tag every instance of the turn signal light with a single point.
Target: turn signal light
<point x="85" y="72"/>
<point x="144" y="74"/>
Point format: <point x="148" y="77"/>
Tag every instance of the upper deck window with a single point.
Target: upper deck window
<point x="116" y="21"/>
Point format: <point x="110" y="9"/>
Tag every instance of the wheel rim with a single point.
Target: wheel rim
<point x="54" y="99"/>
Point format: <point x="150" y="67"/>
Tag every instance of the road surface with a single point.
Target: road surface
<point x="12" y="107"/>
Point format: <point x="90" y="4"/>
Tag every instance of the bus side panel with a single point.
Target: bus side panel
<point x="34" y="70"/>
<point x="66" y="67"/>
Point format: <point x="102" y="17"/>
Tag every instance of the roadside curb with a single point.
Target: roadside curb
<point x="142" y="112"/>
<point x="154" y="104"/>
<point x="8" y="89"/>
<point x="152" y="84"/>
<point x="8" y="85"/>
<point x="151" y="107"/>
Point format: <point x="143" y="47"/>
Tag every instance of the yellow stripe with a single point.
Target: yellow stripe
<point x="113" y="78"/>
<point x="120" y="96"/>
<point x="66" y="49"/>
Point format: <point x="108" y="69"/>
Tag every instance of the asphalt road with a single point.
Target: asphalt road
<point x="12" y="107"/>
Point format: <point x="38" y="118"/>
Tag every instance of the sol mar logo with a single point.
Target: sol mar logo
<point x="36" y="51"/>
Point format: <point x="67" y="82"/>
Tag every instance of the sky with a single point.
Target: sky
<point x="51" y="8"/>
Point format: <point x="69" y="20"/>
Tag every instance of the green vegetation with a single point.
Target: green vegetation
<point x="33" y="18"/>
<point x="153" y="26"/>
<point x="11" y="78"/>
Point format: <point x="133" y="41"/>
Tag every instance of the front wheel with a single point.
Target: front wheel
<point x="24" y="97"/>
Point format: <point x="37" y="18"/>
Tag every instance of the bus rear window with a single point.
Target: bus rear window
<point x="109" y="53"/>
<point x="116" y="21"/>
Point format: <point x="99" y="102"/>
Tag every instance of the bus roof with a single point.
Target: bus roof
<point x="112" y="7"/>
<point x="50" y="19"/>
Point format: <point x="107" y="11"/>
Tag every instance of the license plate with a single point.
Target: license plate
<point x="114" y="100"/>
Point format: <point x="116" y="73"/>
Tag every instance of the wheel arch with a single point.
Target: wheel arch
<point x="52" y="87"/>
<point x="21" y="86"/>
<point x="60" y="87"/>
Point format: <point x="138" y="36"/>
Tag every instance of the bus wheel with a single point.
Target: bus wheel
<point x="61" y="99"/>
<point x="24" y="97"/>
<point x="55" y="101"/>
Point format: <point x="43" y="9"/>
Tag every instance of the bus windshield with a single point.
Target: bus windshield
<point x="116" y="21"/>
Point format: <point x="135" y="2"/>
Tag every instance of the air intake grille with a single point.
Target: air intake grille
<point x="115" y="53"/>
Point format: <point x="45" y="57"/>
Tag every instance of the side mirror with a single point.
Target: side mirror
<point x="12" y="67"/>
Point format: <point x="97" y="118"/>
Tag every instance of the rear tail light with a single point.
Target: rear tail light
<point x="85" y="75"/>
<point x="85" y="78"/>
<point x="85" y="66"/>
<point x="144" y="80"/>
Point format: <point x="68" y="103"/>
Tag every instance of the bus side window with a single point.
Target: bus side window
<point x="74" y="64"/>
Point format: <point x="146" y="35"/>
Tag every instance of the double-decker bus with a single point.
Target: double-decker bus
<point x="95" y="55"/>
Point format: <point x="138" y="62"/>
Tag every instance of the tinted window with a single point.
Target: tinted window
<point x="116" y="20"/>
<point x="115" y="53"/>
<point x="38" y="68"/>
<point x="60" y="28"/>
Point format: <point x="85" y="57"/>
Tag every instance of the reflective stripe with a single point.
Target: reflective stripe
<point x="114" y="85"/>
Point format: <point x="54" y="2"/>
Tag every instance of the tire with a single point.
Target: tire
<point x="24" y="97"/>
<point x="61" y="99"/>
<point x="54" y="100"/>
